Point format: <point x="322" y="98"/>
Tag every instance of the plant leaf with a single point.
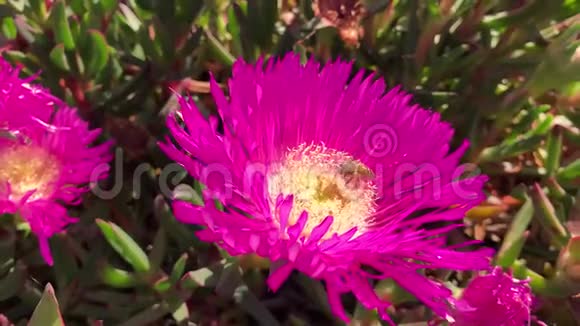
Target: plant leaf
<point x="97" y="54"/>
<point x="125" y="246"/>
<point x="61" y="27"/>
<point x="516" y="236"/>
<point x="58" y="57"/>
<point x="47" y="312"/>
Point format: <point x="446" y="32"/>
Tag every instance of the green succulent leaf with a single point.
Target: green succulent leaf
<point x="47" y="312"/>
<point x="61" y="27"/>
<point x="201" y="277"/>
<point x="178" y="268"/>
<point x="59" y="58"/>
<point x="554" y="151"/>
<point x="39" y="9"/>
<point x="9" y="28"/>
<point x="219" y="49"/>
<point x="181" y="313"/>
<point x="117" y="278"/>
<point x="163" y="285"/>
<point x="124" y="245"/>
<point x="547" y="214"/>
<point x="262" y="16"/>
<point x="570" y="172"/>
<point x="97" y="53"/>
<point x="516" y="236"/>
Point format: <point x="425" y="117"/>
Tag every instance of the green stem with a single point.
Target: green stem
<point x="223" y="55"/>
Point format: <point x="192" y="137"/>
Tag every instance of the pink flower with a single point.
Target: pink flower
<point x="494" y="299"/>
<point x="327" y="178"/>
<point x="46" y="154"/>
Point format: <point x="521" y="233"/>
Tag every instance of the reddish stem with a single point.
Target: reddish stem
<point x="78" y="90"/>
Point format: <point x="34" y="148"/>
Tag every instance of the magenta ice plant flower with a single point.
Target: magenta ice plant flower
<point x="329" y="178"/>
<point x="494" y="299"/>
<point x="46" y="154"/>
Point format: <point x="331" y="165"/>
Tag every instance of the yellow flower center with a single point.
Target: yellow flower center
<point x="325" y="182"/>
<point x="27" y="168"/>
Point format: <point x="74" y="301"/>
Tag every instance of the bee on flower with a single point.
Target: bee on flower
<point x="299" y="183"/>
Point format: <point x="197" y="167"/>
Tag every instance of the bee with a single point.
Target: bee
<point x="8" y="134"/>
<point x="355" y="172"/>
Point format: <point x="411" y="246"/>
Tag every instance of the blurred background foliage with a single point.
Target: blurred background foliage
<point x="505" y="73"/>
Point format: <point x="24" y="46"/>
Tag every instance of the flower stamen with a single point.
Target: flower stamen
<point x="325" y="182"/>
<point x="28" y="168"/>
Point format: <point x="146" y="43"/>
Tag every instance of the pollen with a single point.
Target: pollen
<point x="28" y="168"/>
<point x="325" y="182"/>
